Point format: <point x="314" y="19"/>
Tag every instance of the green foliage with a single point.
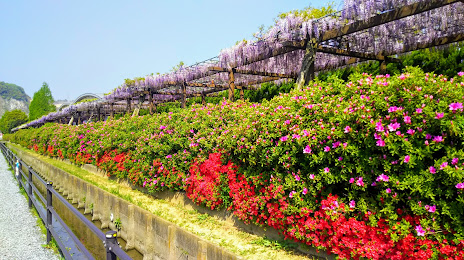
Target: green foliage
<point x="309" y="12"/>
<point x="8" y="91"/>
<point x="42" y="103"/>
<point x="12" y="119"/>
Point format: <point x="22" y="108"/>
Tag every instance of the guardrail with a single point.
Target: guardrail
<point x="109" y="238"/>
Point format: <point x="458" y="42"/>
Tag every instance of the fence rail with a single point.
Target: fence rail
<point x="48" y="213"/>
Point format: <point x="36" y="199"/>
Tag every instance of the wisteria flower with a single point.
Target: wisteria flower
<point x="352" y="204"/>
<point x="420" y="231"/>
<point x="455" y="106"/>
<point x="307" y="149"/>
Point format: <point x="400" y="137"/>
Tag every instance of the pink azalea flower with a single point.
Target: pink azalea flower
<point x="360" y="182"/>
<point x="392" y="127"/>
<point x="311" y="176"/>
<point x="439" y="115"/>
<point x="295" y="136"/>
<point x="352" y="204"/>
<point x="297" y="178"/>
<point x="455" y="161"/>
<point x="388" y="190"/>
<point x="420" y="231"/>
<point x="336" y="144"/>
<point x="379" y="127"/>
<point x="428" y="136"/>
<point x="377" y="136"/>
<point x="292" y="193"/>
<point x="402" y="77"/>
<point x="461" y="74"/>
<point x="460" y="185"/>
<point x="326" y="170"/>
<point x="352" y="180"/>
<point x="411" y="131"/>
<point x="284" y="138"/>
<point x="162" y="127"/>
<point x="407" y="158"/>
<point x="305" y="191"/>
<point x="383" y="177"/>
<point x="455" y="106"/>
<point x="438" y="138"/>
<point x="418" y="110"/>
<point x="307" y="149"/>
<point x="432" y="170"/>
<point x="443" y="165"/>
<point x="347" y="129"/>
<point x="407" y="119"/>
<point x="431" y="209"/>
<point x="380" y="142"/>
<point x="326" y="149"/>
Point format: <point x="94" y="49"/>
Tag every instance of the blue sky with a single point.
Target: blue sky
<point x="92" y="46"/>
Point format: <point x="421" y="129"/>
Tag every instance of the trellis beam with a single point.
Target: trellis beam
<point x="253" y="72"/>
<point x="395" y="14"/>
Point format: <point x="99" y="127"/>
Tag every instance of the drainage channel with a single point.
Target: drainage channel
<point x="70" y="227"/>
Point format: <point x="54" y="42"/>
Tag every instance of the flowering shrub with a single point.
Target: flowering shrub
<point x="369" y="168"/>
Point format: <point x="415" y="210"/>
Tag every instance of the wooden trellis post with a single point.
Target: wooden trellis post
<point x="307" y="65"/>
<point x="150" y="101"/>
<point x="231" y="85"/>
<point x="98" y="114"/>
<point x="112" y="110"/>
<point x="78" y="118"/>
<point x="128" y="106"/>
<point x="184" y="94"/>
<point x="242" y="94"/>
<point x="203" y="99"/>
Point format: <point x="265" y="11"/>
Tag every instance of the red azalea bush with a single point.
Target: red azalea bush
<point x="387" y="149"/>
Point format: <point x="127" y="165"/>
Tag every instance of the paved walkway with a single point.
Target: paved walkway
<point x="20" y="237"/>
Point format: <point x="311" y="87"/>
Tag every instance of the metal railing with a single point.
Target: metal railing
<point x="109" y="239"/>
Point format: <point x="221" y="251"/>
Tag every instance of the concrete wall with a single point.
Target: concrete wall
<point x="151" y="235"/>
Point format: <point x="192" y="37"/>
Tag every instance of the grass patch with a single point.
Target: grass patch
<point x="209" y="228"/>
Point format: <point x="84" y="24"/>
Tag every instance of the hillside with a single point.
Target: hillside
<point x="13" y="97"/>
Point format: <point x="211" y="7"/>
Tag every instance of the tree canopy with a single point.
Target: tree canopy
<point x="12" y="119"/>
<point x="42" y="103"/>
<point x="8" y="91"/>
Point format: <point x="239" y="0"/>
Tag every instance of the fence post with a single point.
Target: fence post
<point x="49" y="212"/>
<point x="18" y="173"/>
<point x="29" y="170"/>
<point x="110" y="242"/>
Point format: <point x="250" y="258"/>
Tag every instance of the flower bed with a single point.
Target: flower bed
<point x="370" y="168"/>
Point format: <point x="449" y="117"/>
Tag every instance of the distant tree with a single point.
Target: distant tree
<point x="8" y="91"/>
<point x="12" y="119"/>
<point x="42" y="103"/>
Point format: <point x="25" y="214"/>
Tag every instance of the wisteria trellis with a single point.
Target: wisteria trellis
<point x="272" y="54"/>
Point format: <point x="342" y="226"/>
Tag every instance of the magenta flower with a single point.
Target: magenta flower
<point x="455" y="161"/>
<point x="326" y="149"/>
<point x="460" y="74"/>
<point x="347" y="129"/>
<point x="284" y="138"/>
<point x="287" y="122"/>
<point x="352" y="204"/>
<point x="360" y="182"/>
<point x="162" y="127"/>
<point x="407" y="158"/>
<point x="420" y="231"/>
<point x="432" y="170"/>
<point x="383" y="177"/>
<point x="311" y="176"/>
<point x="428" y="136"/>
<point x="411" y="131"/>
<point x="439" y="115"/>
<point x="292" y="193"/>
<point x="297" y="178"/>
<point x="431" y="209"/>
<point x="392" y="127"/>
<point x="402" y="77"/>
<point x="388" y="190"/>
<point x="305" y="191"/>
<point x="380" y="142"/>
<point x="460" y="185"/>
<point x="455" y="106"/>
<point x="379" y="127"/>
<point x="443" y="165"/>
<point x="168" y="156"/>
<point x="307" y="149"/>
<point x="295" y="136"/>
<point x="326" y="170"/>
<point x="438" y="139"/>
<point x="418" y="110"/>
<point x="407" y="119"/>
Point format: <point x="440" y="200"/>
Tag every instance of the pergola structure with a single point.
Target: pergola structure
<point x="293" y="49"/>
